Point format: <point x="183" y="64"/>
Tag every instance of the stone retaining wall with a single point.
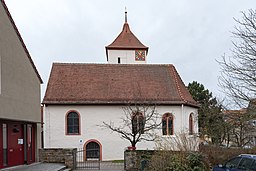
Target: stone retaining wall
<point x="57" y="155"/>
<point x="137" y="159"/>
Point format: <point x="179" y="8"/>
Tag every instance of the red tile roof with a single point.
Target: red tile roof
<point x="234" y="116"/>
<point x="21" y="40"/>
<point x="126" y="40"/>
<point x="234" y="113"/>
<point x="116" y="84"/>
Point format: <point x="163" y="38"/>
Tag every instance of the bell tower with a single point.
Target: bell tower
<point x="126" y="48"/>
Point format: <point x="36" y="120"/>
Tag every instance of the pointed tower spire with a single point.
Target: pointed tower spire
<point x="125" y="15"/>
<point x="126" y="43"/>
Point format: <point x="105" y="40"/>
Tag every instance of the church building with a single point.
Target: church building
<point x="80" y="97"/>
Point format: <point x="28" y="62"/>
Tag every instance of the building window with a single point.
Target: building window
<point x="73" y="123"/>
<point x="119" y="60"/>
<point x="167" y="124"/>
<point x="191" y="124"/>
<point x="138" y="123"/>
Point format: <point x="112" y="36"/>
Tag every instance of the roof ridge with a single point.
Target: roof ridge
<point x="21" y="40"/>
<point x="107" y="64"/>
<point x="174" y="73"/>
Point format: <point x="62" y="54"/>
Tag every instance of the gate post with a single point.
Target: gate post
<point x="74" y="159"/>
<point x="125" y="159"/>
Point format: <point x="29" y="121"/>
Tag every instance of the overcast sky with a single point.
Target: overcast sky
<point x="191" y="34"/>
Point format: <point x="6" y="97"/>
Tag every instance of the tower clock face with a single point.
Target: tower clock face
<point x="140" y="55"/>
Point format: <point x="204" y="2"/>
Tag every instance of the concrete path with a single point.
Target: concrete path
<point x="37" y="167"/>
<point x="104" y="166"/>
<point x="107" y="166"/>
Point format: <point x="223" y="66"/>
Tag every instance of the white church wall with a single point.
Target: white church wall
<point x="91" y="117"/>
<point x="187" y="111"/>
<point x="126" y="56"/>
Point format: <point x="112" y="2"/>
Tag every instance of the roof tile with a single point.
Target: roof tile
<point x="126" y="40"/>
<point x="115" y="84"/>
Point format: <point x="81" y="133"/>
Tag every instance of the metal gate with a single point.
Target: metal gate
<point x="88" y="158"/>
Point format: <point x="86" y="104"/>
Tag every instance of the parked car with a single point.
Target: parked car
<point x="243" y="162"/>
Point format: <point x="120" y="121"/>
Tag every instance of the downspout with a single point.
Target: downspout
<point x="182" y="113"/>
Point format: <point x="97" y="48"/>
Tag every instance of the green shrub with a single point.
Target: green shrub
<point x="195" y="160"/>
<point x="177" y="161"/>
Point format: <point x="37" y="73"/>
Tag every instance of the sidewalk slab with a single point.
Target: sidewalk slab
<point x="37" y="167"/>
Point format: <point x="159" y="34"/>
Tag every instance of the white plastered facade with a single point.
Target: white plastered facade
<point x="91" y="116"/>
<point x="126" y="57"/>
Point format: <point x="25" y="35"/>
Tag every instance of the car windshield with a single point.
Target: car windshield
<point x="245" y="163"/>
<point x="233" y="163"/>
<point x="253" y="166"/>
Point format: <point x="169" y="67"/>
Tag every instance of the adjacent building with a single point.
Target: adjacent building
<point x="20" y="128"/>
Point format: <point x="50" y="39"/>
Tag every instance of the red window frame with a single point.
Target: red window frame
<point x="191" y="124"/>
<point x="79" y="122"/>
<point x="167" y="119"/>
<point x="138" y="123"/>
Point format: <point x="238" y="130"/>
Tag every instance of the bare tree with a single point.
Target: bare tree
<point x="238" y="76"/>
<point x="239" y="127"/>
<point x="180" y="142"/>
<point x="139" y="123"/>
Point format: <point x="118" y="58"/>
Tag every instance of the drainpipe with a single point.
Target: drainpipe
<point x="182" y="117"/>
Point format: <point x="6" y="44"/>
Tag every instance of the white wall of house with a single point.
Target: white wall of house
<point x="126" y="56"/>
<point x="92" y="116"/>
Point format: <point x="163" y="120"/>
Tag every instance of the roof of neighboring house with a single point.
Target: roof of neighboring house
<point x="234" y="116"/>
<point x="116" y="84"/>
<point x="21" y="40"/>
<point x="235" y="112"/>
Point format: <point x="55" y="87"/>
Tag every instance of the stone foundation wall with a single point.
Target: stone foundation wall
<point x="57" y="155"/>
<point x="136" y="159"/>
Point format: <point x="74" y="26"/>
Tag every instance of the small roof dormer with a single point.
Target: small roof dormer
<point x="126" y="41"/>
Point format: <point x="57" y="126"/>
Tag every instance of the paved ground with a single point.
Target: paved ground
<point x="37" y="167"/>
<point x="104" y="166"/>
<point x="107" y="166"/>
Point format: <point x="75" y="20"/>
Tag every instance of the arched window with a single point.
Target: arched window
<point x="191" y="124"/>
<point x="73" y="123"/>
<point x="138" y="123"/>
<point x="167" y="124"/>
